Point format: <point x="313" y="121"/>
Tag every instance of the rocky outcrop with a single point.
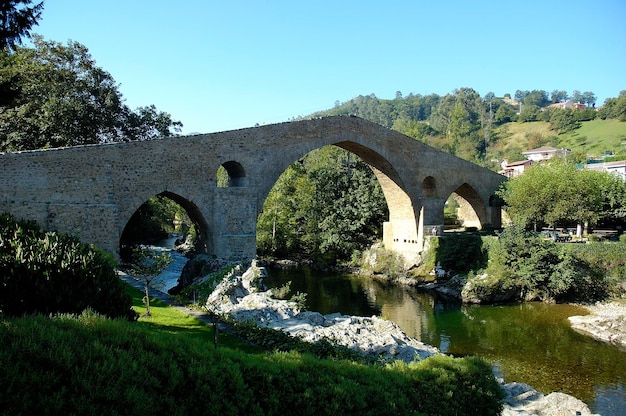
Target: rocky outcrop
<point x="607" y="323"/>
<point x="196" y="268"/>
<point x="239" y="298"/>
<point x="487" y="289"/>
<point x="522" y="400"/>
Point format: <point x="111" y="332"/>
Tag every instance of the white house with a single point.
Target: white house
<point x="617" y="168"/>
<point x="514" y="169"/>
<point x="545" y="153"/>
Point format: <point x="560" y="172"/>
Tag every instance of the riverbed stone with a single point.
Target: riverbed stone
<point x="606" y="322"/>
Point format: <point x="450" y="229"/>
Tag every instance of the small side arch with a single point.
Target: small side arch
<point x="231" y="174"/>
<point x="429" y="187"/>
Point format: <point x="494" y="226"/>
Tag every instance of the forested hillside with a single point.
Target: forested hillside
<point x="487" y="129"/>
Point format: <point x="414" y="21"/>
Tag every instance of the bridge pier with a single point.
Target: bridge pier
<point x="431" y="217"/>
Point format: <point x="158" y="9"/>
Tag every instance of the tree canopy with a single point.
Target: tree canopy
<point x="57" y="96"/>
<point x="557" y="193"/>
<point x="16" y="21"/>
<point x="325" y="206"/>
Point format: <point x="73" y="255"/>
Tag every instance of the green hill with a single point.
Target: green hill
<point x="594" y="138"/>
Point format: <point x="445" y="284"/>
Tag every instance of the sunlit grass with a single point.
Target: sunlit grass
<point x="170" y="320"/>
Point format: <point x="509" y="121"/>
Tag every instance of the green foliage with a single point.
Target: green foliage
<point x="90" y="365"/>
<point x="460" y="252"/>
<point x="564" y="120"/>
<point x="146" y="266"/>
<point x="542" y="269"/>
<point x="324" y="207"/>
<point x="606" y="260"/>
<point x="557" y="193"/>
<point x="59" y="97"/>
<point x="614" y="108"/>
<point x="17" y="21"/>
<point x="49" y="273"/>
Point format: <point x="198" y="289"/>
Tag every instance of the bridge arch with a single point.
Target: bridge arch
<point x="236" y="174"/>
<point x="400" y="231"/>
<point x="200" y="224"/>
<point x="471" y="207"/>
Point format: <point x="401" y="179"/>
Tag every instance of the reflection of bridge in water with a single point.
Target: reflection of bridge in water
<point x="92" y="191"/>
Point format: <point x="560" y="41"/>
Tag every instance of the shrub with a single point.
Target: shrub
<point x="542" y="269"/>
<point x="460" y="252"/>
<point x="48" y="273"/>
<point x="91" y="365"/>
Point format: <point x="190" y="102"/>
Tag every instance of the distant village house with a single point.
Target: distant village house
<point x="515" y="169"/>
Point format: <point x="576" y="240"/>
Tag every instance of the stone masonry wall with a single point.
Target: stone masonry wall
<point x="92" y="191"/>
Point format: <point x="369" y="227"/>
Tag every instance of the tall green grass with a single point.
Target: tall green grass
<point x="167" y="365"/>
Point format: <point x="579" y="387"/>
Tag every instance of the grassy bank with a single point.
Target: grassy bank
<point x="167" y="365"/>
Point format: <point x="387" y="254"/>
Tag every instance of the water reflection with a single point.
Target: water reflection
<point x="530" y="342"/>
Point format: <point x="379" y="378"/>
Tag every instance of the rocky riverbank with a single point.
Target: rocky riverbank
<point x="241" y="297"/>
<point x="606" y="322"/>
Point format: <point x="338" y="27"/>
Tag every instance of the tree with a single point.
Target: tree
<point x="529" y="113"/>
<point x="558" y="96"/>
<point x="147" y="266"/>
<point x="578" y="97"/>
<point x="538" y="98"/>
<point x="589" y="98"/>
<point x="614" y="108"/>
<point x="520" y="95"/>
<point x="325" y="206"/>
<point x="563" y="120"/>
<point x="504" y="114"/>
<point x="16" y="20"/>
<point x="59" y="97"/>
<point x="556" y="193"/>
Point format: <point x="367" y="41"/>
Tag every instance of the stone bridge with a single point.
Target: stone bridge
<point x="92" y="191"/>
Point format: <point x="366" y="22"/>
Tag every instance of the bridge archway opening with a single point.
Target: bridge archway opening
<point x="231" y="174"/>
<point x="165" y="216"/>
<point x="466" y="208"/>
<point x="327" y="203"/>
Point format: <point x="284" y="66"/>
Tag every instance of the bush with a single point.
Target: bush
<point x="91" y="365"/>
<point x="380" y="261"/>
<point x="542" y="269"/>
<point x="49" y="273"/>
<point x="460" y="252"/>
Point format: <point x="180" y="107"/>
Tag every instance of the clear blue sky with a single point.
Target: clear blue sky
<point x="222" y="65"/>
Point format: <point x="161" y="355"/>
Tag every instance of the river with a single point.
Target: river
<point x="528" y="342"/>
<point x="169" y="278"/>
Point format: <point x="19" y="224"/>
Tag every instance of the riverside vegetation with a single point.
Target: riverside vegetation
<point x="78" y="361"/>
<point x="519" y="264"/>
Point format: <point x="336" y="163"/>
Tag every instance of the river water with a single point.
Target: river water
<point x="529" y="342"/>
<point x="169" y="278"/>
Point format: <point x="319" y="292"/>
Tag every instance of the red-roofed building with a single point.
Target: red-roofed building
<point x="512" y="170"/>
